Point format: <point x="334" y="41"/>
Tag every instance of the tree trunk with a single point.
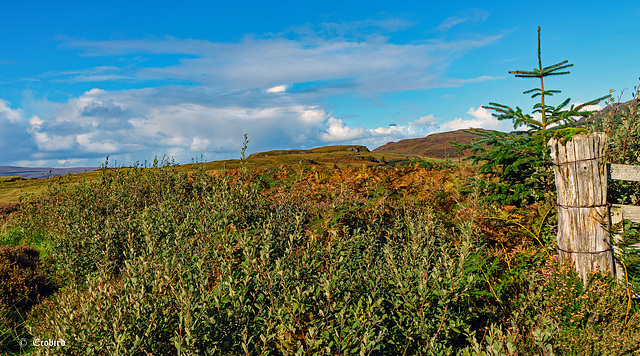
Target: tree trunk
<point x="581" y="183"/>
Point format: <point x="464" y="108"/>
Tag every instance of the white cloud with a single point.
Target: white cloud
<point x="146" y="122"/>
<point x="483" y="78"/>
<point x="104" y="147"/>
<point x="483" y="119"/>
<point x="450" y="22"/>
<point x="231" y="92"/>
<point x="137" y="124"/>
<point x="277" y="89"/>
<point x="15" y="141"/>
<point x="72" y="162"/>
<point x="428" y="121"/>
<point x="354" y="29"/>
<point x="370" y="63"/>
<point x="150" y="121"/>
<point x="95" y="74"/>
<point x="199" y="144"/>
<point x="338" y="131"/>
<point x="47" y="142"/>
<point x="11" y="115"/>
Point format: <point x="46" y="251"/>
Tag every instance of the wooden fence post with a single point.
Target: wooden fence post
<point x="615" y="217"/>
<point x="581" y="183"/>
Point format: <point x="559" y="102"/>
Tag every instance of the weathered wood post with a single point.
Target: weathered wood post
<point x="581" y="183"/>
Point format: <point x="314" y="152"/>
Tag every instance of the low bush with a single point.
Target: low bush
<point x="282" y="261"/>
<point x="560" y="314"/>
<point x="23" y="282"/>
<point x="223" y="263"/>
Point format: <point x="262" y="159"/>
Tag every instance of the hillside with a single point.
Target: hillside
<point x="13" y="185"/>
<point x="438" y="145"/>
<point x="435" y="145"/>
<point x="339" y="156"/>
<point x="323" y="149"/>
<point x="615" y="108"/>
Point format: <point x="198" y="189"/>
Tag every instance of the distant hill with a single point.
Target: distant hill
<point x="340" y="156"/>
<point x="324" y="149"/>
<point x="439" y="145"/>
<point x="436" y="145"/>
<point x="616" y="108"/>
<point x="41" y="172"/>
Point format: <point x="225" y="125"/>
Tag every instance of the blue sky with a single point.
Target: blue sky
<point x="80" y="80"/>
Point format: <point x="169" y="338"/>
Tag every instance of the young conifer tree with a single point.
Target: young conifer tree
<point x="520" y="160"/>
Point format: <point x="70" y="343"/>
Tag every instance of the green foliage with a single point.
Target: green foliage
<point x="516" y="173"/>
<point x="161" y="262"/>
<point x="549" y="115"/>
<point x="519" y="161"/>
<point x="308" y="261"/>
<point x="395" y="260"/>
<point x="23" y="282"/>
<point x="243" y="158"/>
<point x="621" y="123"/>
<point x="591" y="318"/>
<point x="559" y="314"/>
<point x="23" y="235"/>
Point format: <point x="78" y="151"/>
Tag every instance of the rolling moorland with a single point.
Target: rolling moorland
<point x="17" y="181"/>
<point x="333" y="250"/>
<point x="14" y="182"/>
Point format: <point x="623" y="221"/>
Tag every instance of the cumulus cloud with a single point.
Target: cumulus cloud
<point x="482" y="119"/>
<point x="15" y="141"/>
<point x="426" y="122"/>
<point x="271" y="87"/>
<point x="9" y="115"/>
<point x="150" y="121"/>
<point x="338" y="131"/>
<point x="138" y="124"/>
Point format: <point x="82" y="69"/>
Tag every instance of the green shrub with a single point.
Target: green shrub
<point x="337" y="295"/>
<point x="23" y="235"/>
<point x="159" y="261"/>
<point x="558" y="314"/>
<point x="23" y="282"/>
<point x="163" y="262"/>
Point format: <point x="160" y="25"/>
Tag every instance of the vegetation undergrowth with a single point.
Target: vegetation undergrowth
<point x="309" y="261"/>
<point x="621" y="123"/>
<point x="409" y="260"/>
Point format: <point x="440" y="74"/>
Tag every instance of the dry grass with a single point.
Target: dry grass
<point x="12" y="188"/>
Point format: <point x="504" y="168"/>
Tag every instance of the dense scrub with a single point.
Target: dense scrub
<point x="285" y="261"/>
<point x="422" y="259"/>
